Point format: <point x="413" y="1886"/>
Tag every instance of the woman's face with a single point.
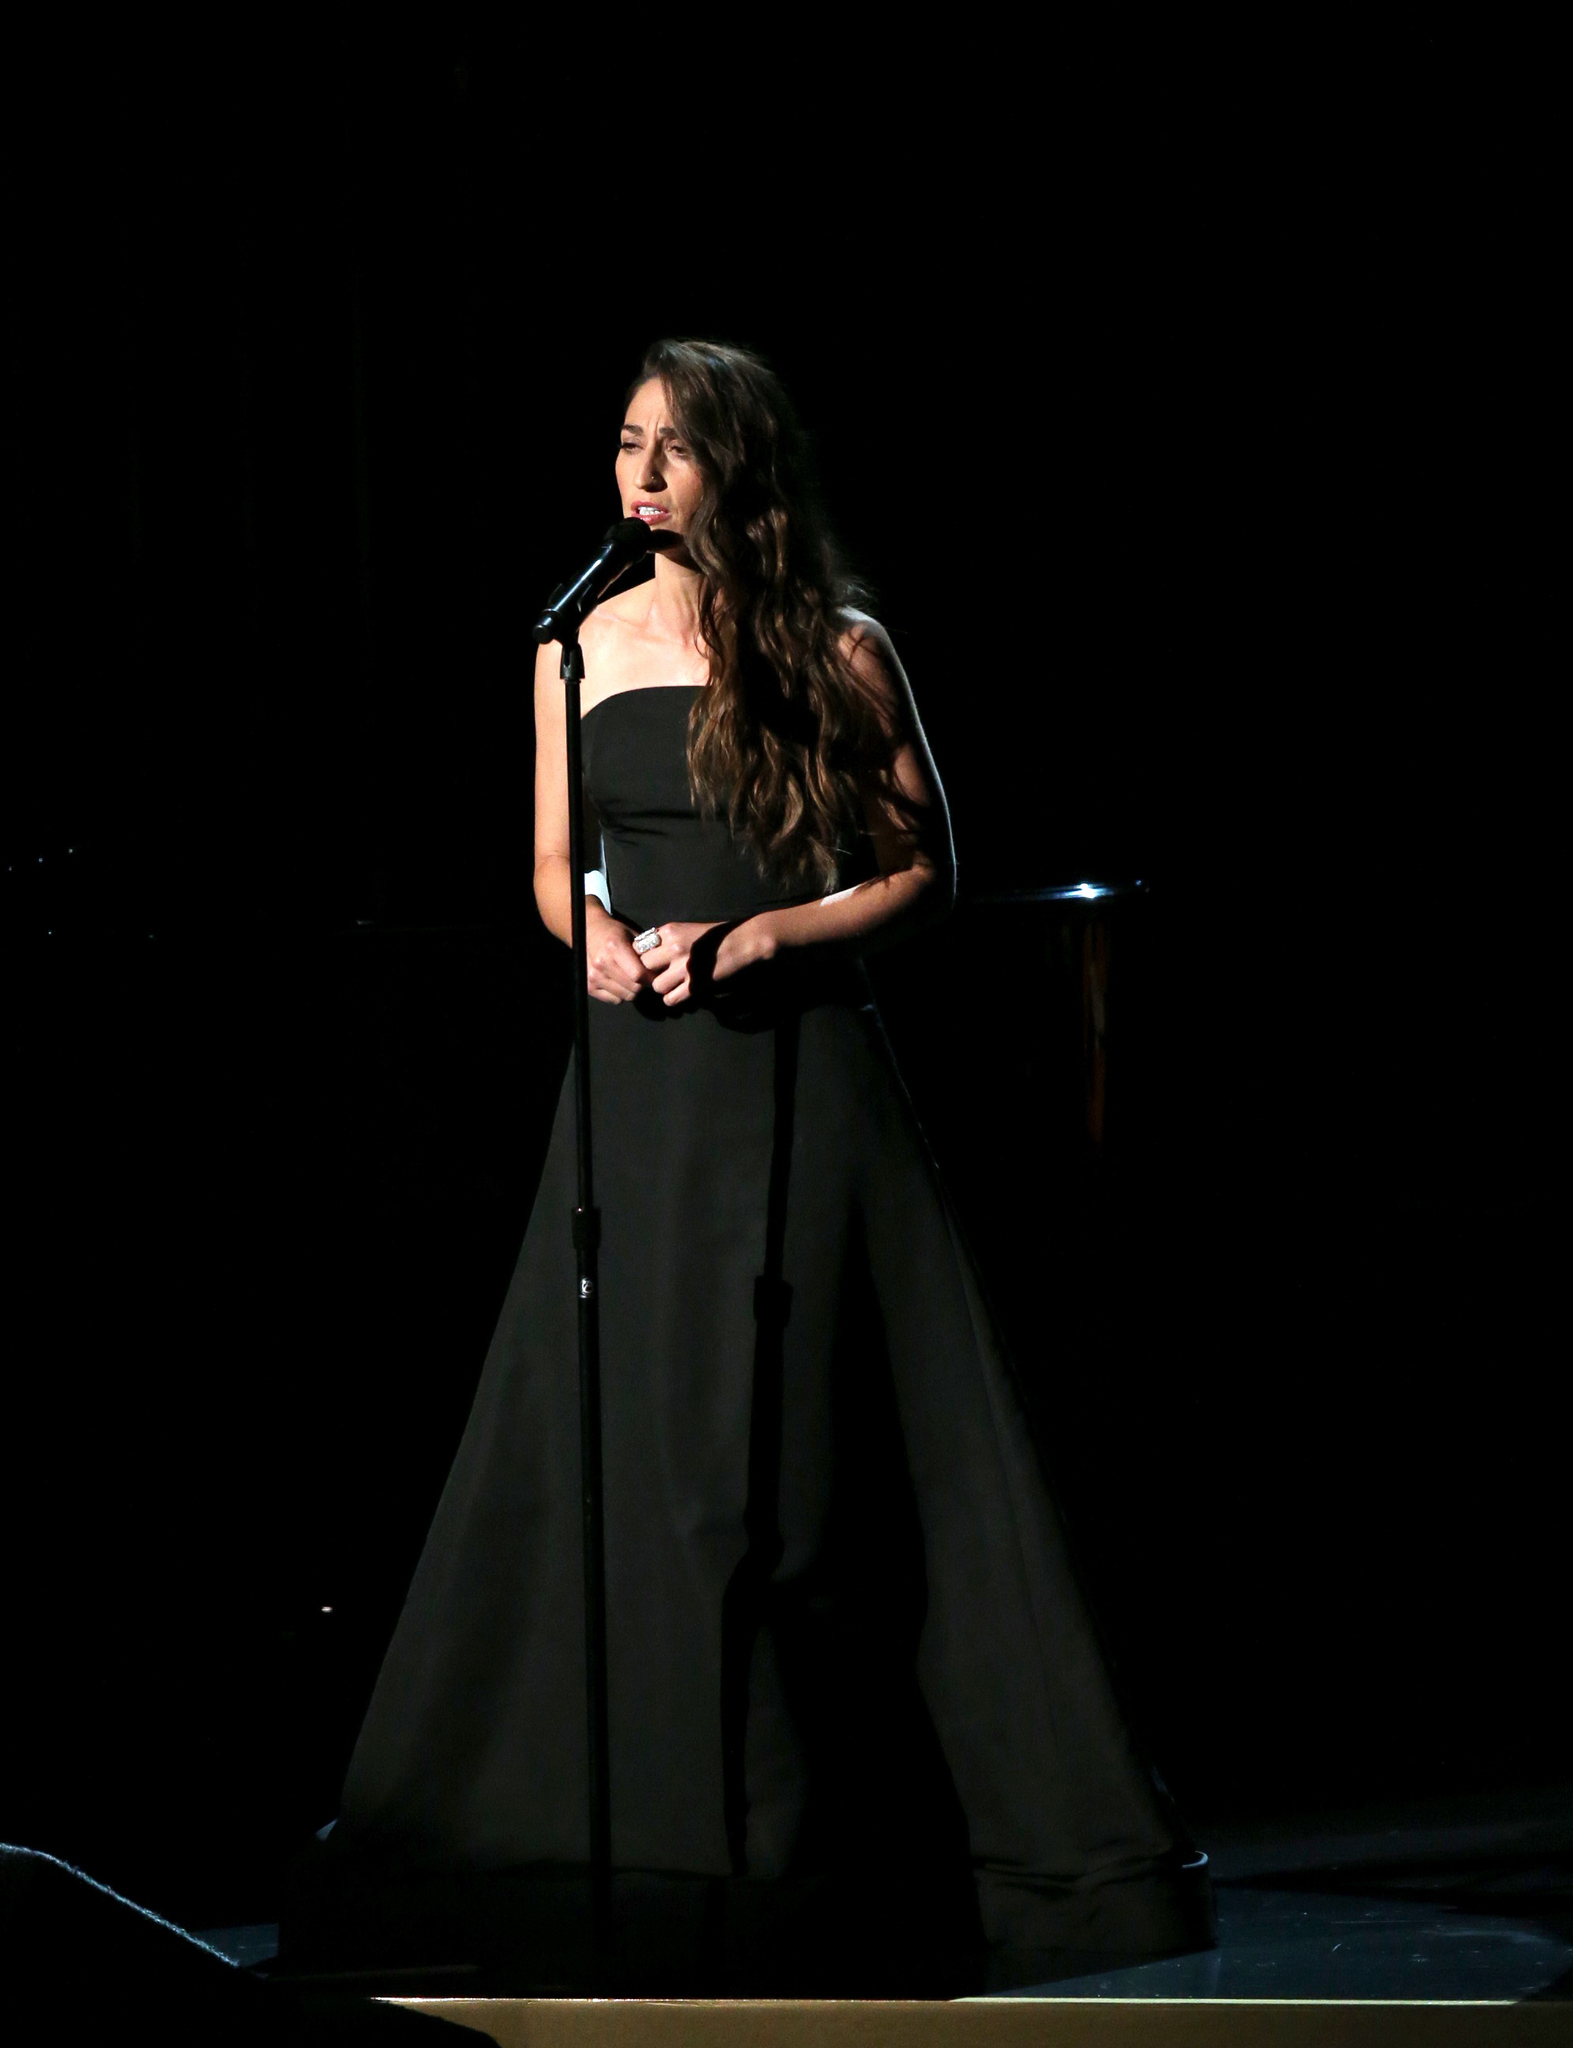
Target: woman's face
<point x="656" y="473"/>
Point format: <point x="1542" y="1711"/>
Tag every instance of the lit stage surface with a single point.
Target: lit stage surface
<point x="1447" y="1923"/>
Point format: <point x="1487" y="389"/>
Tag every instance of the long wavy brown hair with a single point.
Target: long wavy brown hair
<point x="788" y="742"/>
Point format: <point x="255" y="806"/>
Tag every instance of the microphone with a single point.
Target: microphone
<point x="570" y="605"/>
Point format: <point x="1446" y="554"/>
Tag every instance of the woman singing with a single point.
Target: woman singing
<point x="862" y="1735"/>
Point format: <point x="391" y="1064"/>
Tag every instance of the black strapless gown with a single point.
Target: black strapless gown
<point x="862" y="1733"/>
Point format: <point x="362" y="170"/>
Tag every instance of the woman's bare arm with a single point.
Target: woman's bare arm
<point x="617" y="973"/>
<point x="916" y="883"/>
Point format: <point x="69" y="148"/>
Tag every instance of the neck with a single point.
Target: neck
<point x="674" y="597"/>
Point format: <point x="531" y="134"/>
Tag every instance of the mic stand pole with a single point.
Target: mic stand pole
<point x="587" y="1239"/>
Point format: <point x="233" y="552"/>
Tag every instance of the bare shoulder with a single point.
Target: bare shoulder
<point x="866" y="645"/>
<point x="613" y="621"/>
<point x="601" y="633"/>
<point x="866" y="649"/>
<point x="608" y="640"/>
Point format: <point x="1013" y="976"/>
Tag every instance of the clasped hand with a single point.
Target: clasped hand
<point x="617" y="973"/>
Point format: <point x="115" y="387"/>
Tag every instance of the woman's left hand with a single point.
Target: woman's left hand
<point x="742" y="946"/>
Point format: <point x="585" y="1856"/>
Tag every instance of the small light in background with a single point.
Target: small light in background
<point x="327" y="1610"/>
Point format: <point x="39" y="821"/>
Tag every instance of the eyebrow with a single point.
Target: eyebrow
<point x="662" y="433"/>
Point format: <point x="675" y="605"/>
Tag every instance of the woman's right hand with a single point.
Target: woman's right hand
<point x="616" y="972"/>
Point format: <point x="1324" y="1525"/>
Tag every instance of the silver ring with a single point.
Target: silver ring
<point x="647" y="941"/>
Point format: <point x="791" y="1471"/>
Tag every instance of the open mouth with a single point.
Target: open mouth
<point x="652" y="515"/>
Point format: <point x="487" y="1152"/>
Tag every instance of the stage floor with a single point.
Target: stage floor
<point x="1472" y="1900"/>
<point x="1282" y="1944"/>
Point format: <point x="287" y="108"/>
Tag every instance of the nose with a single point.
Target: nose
<point x="650" y="477"/>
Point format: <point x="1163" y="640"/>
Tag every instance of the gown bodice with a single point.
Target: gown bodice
<point x="664" y="859"/>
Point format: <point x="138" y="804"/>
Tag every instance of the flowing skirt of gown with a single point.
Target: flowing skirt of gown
<point x="862" y="1731"/>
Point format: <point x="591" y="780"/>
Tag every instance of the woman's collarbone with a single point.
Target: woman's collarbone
<point x="617" y="670"/>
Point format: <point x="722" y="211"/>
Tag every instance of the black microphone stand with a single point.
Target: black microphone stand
<point x="587" y="1240"/>
<point x="566" y="609"/>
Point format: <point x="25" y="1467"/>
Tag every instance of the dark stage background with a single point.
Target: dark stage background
<point x="1145" y="386"/>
